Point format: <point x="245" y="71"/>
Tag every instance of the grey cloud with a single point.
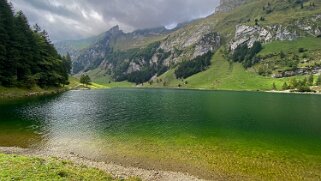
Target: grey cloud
<point x="75" y="19"/>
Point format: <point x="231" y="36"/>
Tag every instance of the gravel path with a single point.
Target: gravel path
<point x="112" y="168"/>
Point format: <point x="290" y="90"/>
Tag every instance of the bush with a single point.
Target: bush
<point x="301" y="50"/>
<point x="282" y="55"/>
<point x="300" y="85"/>
<point x="305" y="55"/>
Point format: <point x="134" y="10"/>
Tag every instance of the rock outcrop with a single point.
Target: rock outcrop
<point x="97" y="52"/>
<point x="187" y="44"/>
<point x="245" y="34"/>
<point x="299" y="71"/>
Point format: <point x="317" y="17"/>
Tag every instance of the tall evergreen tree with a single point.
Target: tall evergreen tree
<point x="318" y="82"/>
<point x="27" y="56"/>
<point x="7" y="51"/>
<point x="24" y="39"/>
<point x="310" y="80"/>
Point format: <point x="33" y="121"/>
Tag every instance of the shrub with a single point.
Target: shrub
<point x="301" y="50"/>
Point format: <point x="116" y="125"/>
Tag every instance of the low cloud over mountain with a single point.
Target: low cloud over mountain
<point x="74" y="19"/>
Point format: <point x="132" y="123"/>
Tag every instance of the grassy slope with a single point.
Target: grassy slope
<point x="283" y="13"/>
<point x="223" y="75"/>
<point x="140" y="42"/>
<point x="227" y="76"/>
<point x="14" y="167"/>
<point x="232" y="76"/>
<point x="102" y="80"/>
<point x="311" y="56"/>
<point x="307" y="43"/>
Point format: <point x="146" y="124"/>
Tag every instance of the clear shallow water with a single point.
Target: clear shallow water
<point x="207" y="133"/>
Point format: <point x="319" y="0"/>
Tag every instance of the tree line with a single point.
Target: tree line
<point x="189" y="68"/>
<point x="27" y="56"/>
<point x="247" y="56"/>
<point x="300" y="85"/>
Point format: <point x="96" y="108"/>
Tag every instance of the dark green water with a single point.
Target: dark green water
<point x="205" y="133"/>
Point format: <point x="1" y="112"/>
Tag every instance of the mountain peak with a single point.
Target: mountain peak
<point x="114" y="31"/>
<point x="115" y="28"/>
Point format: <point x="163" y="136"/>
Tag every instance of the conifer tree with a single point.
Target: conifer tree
<point x="318" y="82"/>
<point x="27" y="56"/>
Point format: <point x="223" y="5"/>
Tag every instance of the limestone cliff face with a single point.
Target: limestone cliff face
<point x="249" y="34"/>
<point x="245" y="34"/>
<point x="92" y="57"/>
<point x="178" y="46"/>
<point x="228" y="5"/>
<point x="185" y="44"/>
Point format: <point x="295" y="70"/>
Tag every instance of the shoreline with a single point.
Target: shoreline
<point x="227" y="90"/>
<point x="11" y="94"/>
<point x="24" y="93"/>
<point x="108" y="167"/>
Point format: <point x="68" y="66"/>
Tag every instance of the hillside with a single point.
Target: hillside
<point x="260" y="44"/>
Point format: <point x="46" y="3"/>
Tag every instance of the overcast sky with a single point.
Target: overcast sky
<point x="76" y="19"/>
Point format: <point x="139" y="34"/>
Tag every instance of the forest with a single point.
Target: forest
<point x="27" y="56"/>
<point x="198" y="64"/>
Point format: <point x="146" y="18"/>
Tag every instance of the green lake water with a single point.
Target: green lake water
<point x="210" y="134"/>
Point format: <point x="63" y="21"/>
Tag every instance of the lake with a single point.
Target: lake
<point x="210" y="134"/>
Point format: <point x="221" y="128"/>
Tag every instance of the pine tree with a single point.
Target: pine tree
<point x="27" y="56"/>
<point x="285" y="86"/>
<point x="274" y="86"/>
<point x="318" y="82"/>
<point x="24" y="59"/>
<point x="310" y="80"/>
<point x="7" y="51"/>
<point x="68" y="63"/>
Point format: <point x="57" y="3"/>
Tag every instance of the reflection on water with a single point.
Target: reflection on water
<point x="145" y="123"/>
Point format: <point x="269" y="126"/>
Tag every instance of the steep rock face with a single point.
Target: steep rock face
<point x="250" y="34"/>
<point x="245" y="34"/>
<point x="208" y="43"/>
<point x="97" y="52"/>
<point x="178" y="46"/>
<point x="228" y="5"/>
<point x="311" y="25"/>
<point x="186" y="44"/>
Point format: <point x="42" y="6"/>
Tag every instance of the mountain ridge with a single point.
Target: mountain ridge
<point x="233" y="25"/>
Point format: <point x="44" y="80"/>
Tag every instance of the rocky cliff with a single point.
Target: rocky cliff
<point x="144" y="54"/>
<point x="307" y="26"/>
<point x="176" y="46"/>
